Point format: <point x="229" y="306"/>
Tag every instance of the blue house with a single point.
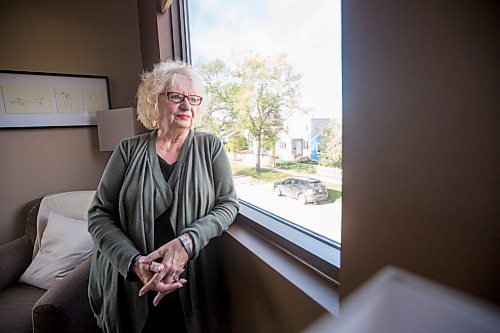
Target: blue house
<point x="315" y="152"/>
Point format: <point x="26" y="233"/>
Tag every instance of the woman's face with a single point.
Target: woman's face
<point x="174" y="116"/>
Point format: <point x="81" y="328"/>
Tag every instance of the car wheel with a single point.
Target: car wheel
<point x="277" y="191"/>
<point x="302" y="199"/>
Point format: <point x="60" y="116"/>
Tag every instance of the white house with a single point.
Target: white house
<point x="294" y="141"/>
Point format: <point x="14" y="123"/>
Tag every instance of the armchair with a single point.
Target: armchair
<point x="64" y="307"/>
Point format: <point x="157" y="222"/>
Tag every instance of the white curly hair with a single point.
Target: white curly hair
<point x="162" y="77"/>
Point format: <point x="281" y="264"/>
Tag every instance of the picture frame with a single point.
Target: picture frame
<point x="37" y="99"/>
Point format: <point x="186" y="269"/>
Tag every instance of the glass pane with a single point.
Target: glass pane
<point x="273" y="75"/>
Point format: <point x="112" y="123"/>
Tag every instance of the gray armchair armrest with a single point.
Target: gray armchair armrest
<point x="65" y="306"/>
<point x="15" y="257"/>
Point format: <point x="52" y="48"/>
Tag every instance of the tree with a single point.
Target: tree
<point x="269" y="140"/>
<point x="255" y="98"/>
<point x="331" y="145"/>
<point x="219" y="115"/>
<point x="236" y="143"/>
<point x="268" y="92"/>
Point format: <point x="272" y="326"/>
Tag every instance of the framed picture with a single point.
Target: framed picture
<point x="32" y="99"/>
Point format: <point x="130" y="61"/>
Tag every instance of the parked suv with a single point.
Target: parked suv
<point x="304" y="189"/>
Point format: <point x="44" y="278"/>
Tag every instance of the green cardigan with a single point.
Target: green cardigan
<point x="132" y="193"/>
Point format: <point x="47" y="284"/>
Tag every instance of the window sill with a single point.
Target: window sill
<point x="308" y="263"/>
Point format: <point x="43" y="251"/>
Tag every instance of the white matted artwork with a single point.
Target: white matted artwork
<point x="66" y="100"/>
<point x="51" y="100"/>
<point x="26" y="99"/>
<point x="92" y="100"/>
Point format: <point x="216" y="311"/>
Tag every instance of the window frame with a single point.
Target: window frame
<point x="318" y="252"/>
<point x="313" y="250"/>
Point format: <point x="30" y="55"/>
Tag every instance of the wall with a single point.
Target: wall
<point x="261" y="299"/>
<point x="86" y="37"/>
<point x="102" y="37"/>
<point x="421" y="142"/>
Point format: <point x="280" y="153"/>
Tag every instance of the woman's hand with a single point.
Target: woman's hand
<point x="145" y="271"/>
<point x="164" y="277"/>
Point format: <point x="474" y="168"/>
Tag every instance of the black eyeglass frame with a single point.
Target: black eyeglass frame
<point x="168" y="93"/>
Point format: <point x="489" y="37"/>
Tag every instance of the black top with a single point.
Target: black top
<point x="166" y="168"/>
<point x="163" y="228"/>
<point x="168" y="315"/>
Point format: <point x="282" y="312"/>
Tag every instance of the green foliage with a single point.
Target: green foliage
<point x="270" y="137"/>
<point x="267" y="175"/>
<point x="256" y="97"/>
<point x="334" y="194"/>
<point x="271" y="176"/>
<point x="236" y="143"/>
<point x="219" y="115"/>
<point x="331" y="145"/>
<point x="268" y="94"/>
<point x="304" y="167"/>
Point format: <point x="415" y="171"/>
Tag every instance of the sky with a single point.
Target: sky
<point x="309" y="32"/>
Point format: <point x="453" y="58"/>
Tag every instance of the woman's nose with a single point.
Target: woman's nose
<point x="185" y="104"/>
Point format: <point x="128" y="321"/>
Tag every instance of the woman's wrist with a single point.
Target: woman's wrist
<point x="187" y="243"/>
<point x="132" y="262"/>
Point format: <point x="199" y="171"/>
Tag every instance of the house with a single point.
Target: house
<point x="315" y="148"/>
<point x="418" y="78"/>
<point x="296" y="138"/>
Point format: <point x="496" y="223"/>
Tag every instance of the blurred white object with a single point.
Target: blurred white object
<point x="115" y="125"/>
<point x="396" y="301"/>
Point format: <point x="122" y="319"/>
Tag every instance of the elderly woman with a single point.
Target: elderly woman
<point x="162" y="197"/>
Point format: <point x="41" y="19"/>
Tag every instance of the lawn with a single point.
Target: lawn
<point x="334" y="194"/>
<point x="304" y="167"/>
<point x="266" y="175"/>
<point x="271" y="176"/>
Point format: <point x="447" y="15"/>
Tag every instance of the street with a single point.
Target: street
<point x="323" y="218"/>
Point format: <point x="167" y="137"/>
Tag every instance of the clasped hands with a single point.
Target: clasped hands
<point x="162" y="277"/>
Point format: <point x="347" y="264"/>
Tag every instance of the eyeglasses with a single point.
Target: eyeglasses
<point x="176" y="97"/>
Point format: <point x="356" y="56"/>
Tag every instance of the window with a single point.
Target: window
<point x="273" y="78"/>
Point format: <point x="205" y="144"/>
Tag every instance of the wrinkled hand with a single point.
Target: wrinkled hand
<point x="145" y="271"/>
<point x="163" y="277"/>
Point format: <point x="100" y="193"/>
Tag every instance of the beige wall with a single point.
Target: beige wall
<point x="80" y="37"/>
<point x="37" y="162"/>
<point x="102" y="37"/>
<point x="421" y="142"/>
<point x="261" y="300"/>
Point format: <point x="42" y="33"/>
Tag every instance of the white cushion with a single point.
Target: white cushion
<point x="73" y="204"/>
<point x="64" y="245"/>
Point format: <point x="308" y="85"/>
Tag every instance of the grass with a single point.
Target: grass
<point x="272" y="176"/>
<point x="307" y="167"/>
<point x="334" y="194"/>
<point x="266" y="175"/>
